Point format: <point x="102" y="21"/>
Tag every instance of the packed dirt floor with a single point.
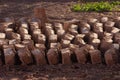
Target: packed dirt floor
<point x="60" y="11"/>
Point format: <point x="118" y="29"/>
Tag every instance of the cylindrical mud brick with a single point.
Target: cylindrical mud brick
<point x="3" y="42"/>
<point x="116" y="38"/>
<point x="29" y="44"/>
<point x="97" y="27"/>
<point x="52" y="39"/>
<point x="95" y="43"/>
<point x="111" y="57"/>
<point x="92" y="20"/>
<point x="95" y="56"/>
<point x="2" y="35"/>
<point x="73" y="32"/>
<point x="13" y="41"/>
<point x="41" y="39"/>
<point x="115" y="30"/>
<point x="66" y="25"/>
<point x="91" y="36"/>
<point x="9" y="56"/>
<point x="15" y="36"/>
<point x="58" y="26"/>
<point x="68" y="36"/>
<point x="34" y="26"/>
<point x="55" y="46"/>
<point x="84" y="28"/>
<point x="25" y="56"/>
<point x="24" y="25"/>
<point x="52" y="56"/>
<point x="36" y="32"/>
<point x="39" y="56"/>
<point x="49" y="32"/>
<point x="66" y="56"/>
<point x="81" y="55"/>
<point x="60" y="34"/>
<point x="104" y="19"/>
<point x="73" y="47"/>
<point x="36" y="22"/>
<point x="26" y="37"/>
<point x="40" y="46"/>
<point x="73" y="26"/>
<point x="40" y="13"/>
<point x="23" y="31"/>
<point x="19" y="46"/>
<point x="65" y="43"/>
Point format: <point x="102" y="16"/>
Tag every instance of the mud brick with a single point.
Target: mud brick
<point x="66" y="25"/>
<point x="15" y="36"/>
<point x="73" y="26"/>
<point x="79" y="40"/>
<point x="25" y="56"/>
<point x="116" y="38"/>
<point x="48" y="26"/>
<point x="98" y="27"/>
<point x="95" y="56"/>
<point x="13" y="41"/>
<point x="115" y="30"/>
<point x="88" y="47"/>
<point x="117" y="24"/>
<point x="40" y="13"/>
<point x="29" y="44"/>
<point x="73" y="31"/>
<point x="36" y="31"/>
<point x="3" y="26"/>
<point x="84" y="28"/>
<point x="24" y="25"/>
<point x="19" y="46"/>
<point x="39" y="56"/>
<point x="58" y="26"/>
<point x="55" y="46"/>
<point x="52" y="56"/>
<point x="111" y="57"/>
<point x="9" y="55"/>
<point x="65" y="43"/>
<point x="60" y="34"/>
<point x="116" y="46"/>
<point x="68" y="36"/>
<point x="92" y="20"/>
<point x="8" y="30"/>
<point x="108" y="35"/>
<point x="50" y="32"/>
<point x="108" y="29"/>
<point x="95" y="43"/>
<point x="109" y="24"/>
<point x="41" y="39"/>
<point x="3" y="42"/>
<point x="73" y="47"/>
<point x="52" y="39"/>
<point x="34" y="26"/>
<point x="90" y="36"/>
<point x="23" y="31"/>
<point x="36" y="22"/>
<point x="40" y="46"/>
<point x="105" y="45"/>
<point x="104" y="19"/>
<point x="26" y="37"/>
<point x="66" y="56"/>
<point x="2" y="35"/>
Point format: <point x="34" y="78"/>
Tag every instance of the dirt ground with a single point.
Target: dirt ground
<point x="55" y="10"/>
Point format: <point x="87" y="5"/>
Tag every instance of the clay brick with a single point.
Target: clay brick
<point x="40" y="13"/>
<point x="92" y="20"/>
<point x="81" y="55"/>
<point x="58" y="26"/>
<point x="40" y="46"/>
<point x="13" y="41"/>
<point x="36" y="22"/>
<point x="55" y="46"/>
<point x="66" y="25"/>
<point x="95" y="56"/>
<point x="65" y="43"/>
<point x="39" y="57"/>
<point x="33" y="26"/>
<point x="24" y="24"/>
<point x="98" y="27"/>
<point x="73" y="31"/>
<point x="60" y="34"/>
<point x="9" y="56"/>
<point x="116" y="38"/>
<point x="52" y="56"/>
<point x="73" y="47"/>
<point x="111" y="57"/>
<point x="25" y="56"/>
<point x="23" y="31"/>
<point x="68" y="36"/>
<point x="66" y="56"/>
<point x="29" y="44"/>
<point x="49" y="32"/>
<point x="84" y="28"/>
<point x="109" y="24"/>
<point x="104" y="19"/>
<point x="26" y="37"/>
<point x="2" y="35"/>
<point x="73" y="26"/>
<point x="41" y="39"/>
<point x="19" y="46"/>
<point x="115" y="30"/>
<point x="52" y="39"/>
<point x="95" y="43"/>
<point x="15" y="36"/>
<point x="92" y="36"/>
